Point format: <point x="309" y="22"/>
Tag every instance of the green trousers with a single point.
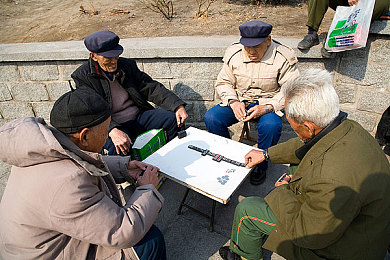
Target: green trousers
<point x="253" y="221"/>
<point x="317" y="9"/>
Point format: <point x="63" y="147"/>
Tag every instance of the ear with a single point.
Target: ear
<point x="93" y="56"/>
<point x="312" y="129"/>
<point x="83" y="137"/>
<point x="268" y="40"/>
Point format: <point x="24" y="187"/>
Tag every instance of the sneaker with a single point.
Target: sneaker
<point x="309" y="41"/>
<point x="227" y="254"/>
<point x="257" y="176"/>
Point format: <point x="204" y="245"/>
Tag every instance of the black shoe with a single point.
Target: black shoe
<point x="325" y="53"/>
<point x="257" y="176"/>
<point x="308" y="41"/>
<point x="227" y="254"/>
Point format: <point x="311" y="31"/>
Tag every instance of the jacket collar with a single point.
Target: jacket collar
<point x="269" y="55"/>
<point x="91" y="162"/>
<point x="302" y="151"/>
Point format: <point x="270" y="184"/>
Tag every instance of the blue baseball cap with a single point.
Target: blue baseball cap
<point x="254" y="32"/>
<point x="105" y="43"/>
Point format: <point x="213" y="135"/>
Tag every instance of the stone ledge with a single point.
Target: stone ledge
<point x="138" y="48"/>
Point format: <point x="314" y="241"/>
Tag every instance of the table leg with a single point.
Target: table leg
<point x="211" y="227"/>
<point x="183" y="201"/>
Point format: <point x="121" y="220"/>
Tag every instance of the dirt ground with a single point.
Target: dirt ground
<point x="62" y="20"/>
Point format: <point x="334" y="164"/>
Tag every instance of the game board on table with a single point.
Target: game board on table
<point x="209" y="175"/>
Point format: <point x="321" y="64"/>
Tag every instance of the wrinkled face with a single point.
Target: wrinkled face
<point x="106" y="63"/>
<point x="257" y="52"/>
<point x="97" y="136"/>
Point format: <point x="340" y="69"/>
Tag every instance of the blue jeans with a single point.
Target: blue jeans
<point x="269" y="126"/>
<point x="151" y="246"/>
<point x="147" y="120"/>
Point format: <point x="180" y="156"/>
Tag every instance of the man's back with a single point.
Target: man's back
<point x="343" y="188"/>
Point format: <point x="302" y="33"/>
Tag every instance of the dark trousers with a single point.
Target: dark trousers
<point x="269" y="126"/>
<point x="317" y="9"/>
<point x="147" y="120"/>
<point x="151" y="246"/>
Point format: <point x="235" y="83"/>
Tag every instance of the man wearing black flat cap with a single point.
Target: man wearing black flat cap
<point x="127" y="90"/>
<point x="249" y="86"/>
<point x="61" y="199"/>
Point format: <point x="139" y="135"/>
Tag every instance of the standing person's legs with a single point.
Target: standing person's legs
<point x="316" y="10"/>
<point x="253" y="221"/>
<point x="151" y="246"/>
<point x="269" y="129"/>
<point x="159" y="118"/>
<point x="380" y="8"/>
<point x="218" y="119"/>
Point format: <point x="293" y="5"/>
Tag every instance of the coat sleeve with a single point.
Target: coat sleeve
<point x="226" y="82"/>
<point x="82" y="211"/>
<point x="316" y="219"/>
<point x="285" y="152"/>
<point x="154" y="91"/>
<point x="117" y="166"/>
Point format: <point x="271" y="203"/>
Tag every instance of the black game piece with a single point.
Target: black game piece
<point x="181" y="134"/>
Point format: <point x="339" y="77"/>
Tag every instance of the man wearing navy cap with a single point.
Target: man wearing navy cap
<point x="249" y="86"/>
<point x="127" y="90"/>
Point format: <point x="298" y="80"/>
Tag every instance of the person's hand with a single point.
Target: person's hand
<point x="254" y="157"/>
<point x="352" y="2"/>
<point x="136" y="167"/>
<point x="238" y="110"/>
<point x="255" y="112"/>
<point x="121" y="141"/>
<point x="181" y="115"/>
<point x="149" y="176"/>
<point x="284" y="179"/>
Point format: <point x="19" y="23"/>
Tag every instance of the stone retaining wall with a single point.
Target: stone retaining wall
<point x="34" y="75"/>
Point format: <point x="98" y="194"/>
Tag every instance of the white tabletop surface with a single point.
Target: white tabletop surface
<point x="217" y="180"/>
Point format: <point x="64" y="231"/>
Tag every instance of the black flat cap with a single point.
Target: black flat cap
<point x="105" y="43"/>
<point x="79" y="109"/>
<point x="254" y="32"/>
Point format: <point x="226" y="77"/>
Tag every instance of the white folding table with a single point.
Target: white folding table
<point x="203" y="173"/>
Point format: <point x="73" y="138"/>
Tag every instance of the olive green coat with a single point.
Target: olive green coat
<point x="337" y="205"/>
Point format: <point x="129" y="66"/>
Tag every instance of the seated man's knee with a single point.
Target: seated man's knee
<point x="152" y="246"/>
<point x="270" y="124"/>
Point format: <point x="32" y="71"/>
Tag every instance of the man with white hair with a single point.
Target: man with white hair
<point x="336" y="205"/>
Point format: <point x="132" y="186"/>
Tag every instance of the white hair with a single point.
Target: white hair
<point x="311" y="97"/>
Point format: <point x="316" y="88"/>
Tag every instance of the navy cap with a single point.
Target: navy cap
<point x="105" y="43"/>
<point x="254" y="32"/>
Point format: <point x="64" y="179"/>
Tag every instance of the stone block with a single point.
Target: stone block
<point x="206" y="68"/>
<point x="29" y="91"/>
<point x="66" y="68"/>
<point x="328" y="64"/>
<point x="347" y="93"/>
<point x="366" y="120"/>
<point x="373" y="101"/>
<point x="181" y="68"/>
<point x="13" y="110"/>
<point x="42" y="109"/>
<point x="379" y="49"/>
<point x="198" y="110"/>
<point x="39" y="71"/>
<point x="4" y="92"/>
<point x="58" y="88"/>
<point x="157" y="68"/>
<point x="9" y="73"/>
<point x="194" y="89"/>
<point x="358" y="71"/>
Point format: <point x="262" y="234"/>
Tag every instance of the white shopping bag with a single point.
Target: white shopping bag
<point x="350" y="27"/>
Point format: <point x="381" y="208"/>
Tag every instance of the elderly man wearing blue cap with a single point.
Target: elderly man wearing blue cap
<point x="249" y="86"/>
<point x="127" y="90"/>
